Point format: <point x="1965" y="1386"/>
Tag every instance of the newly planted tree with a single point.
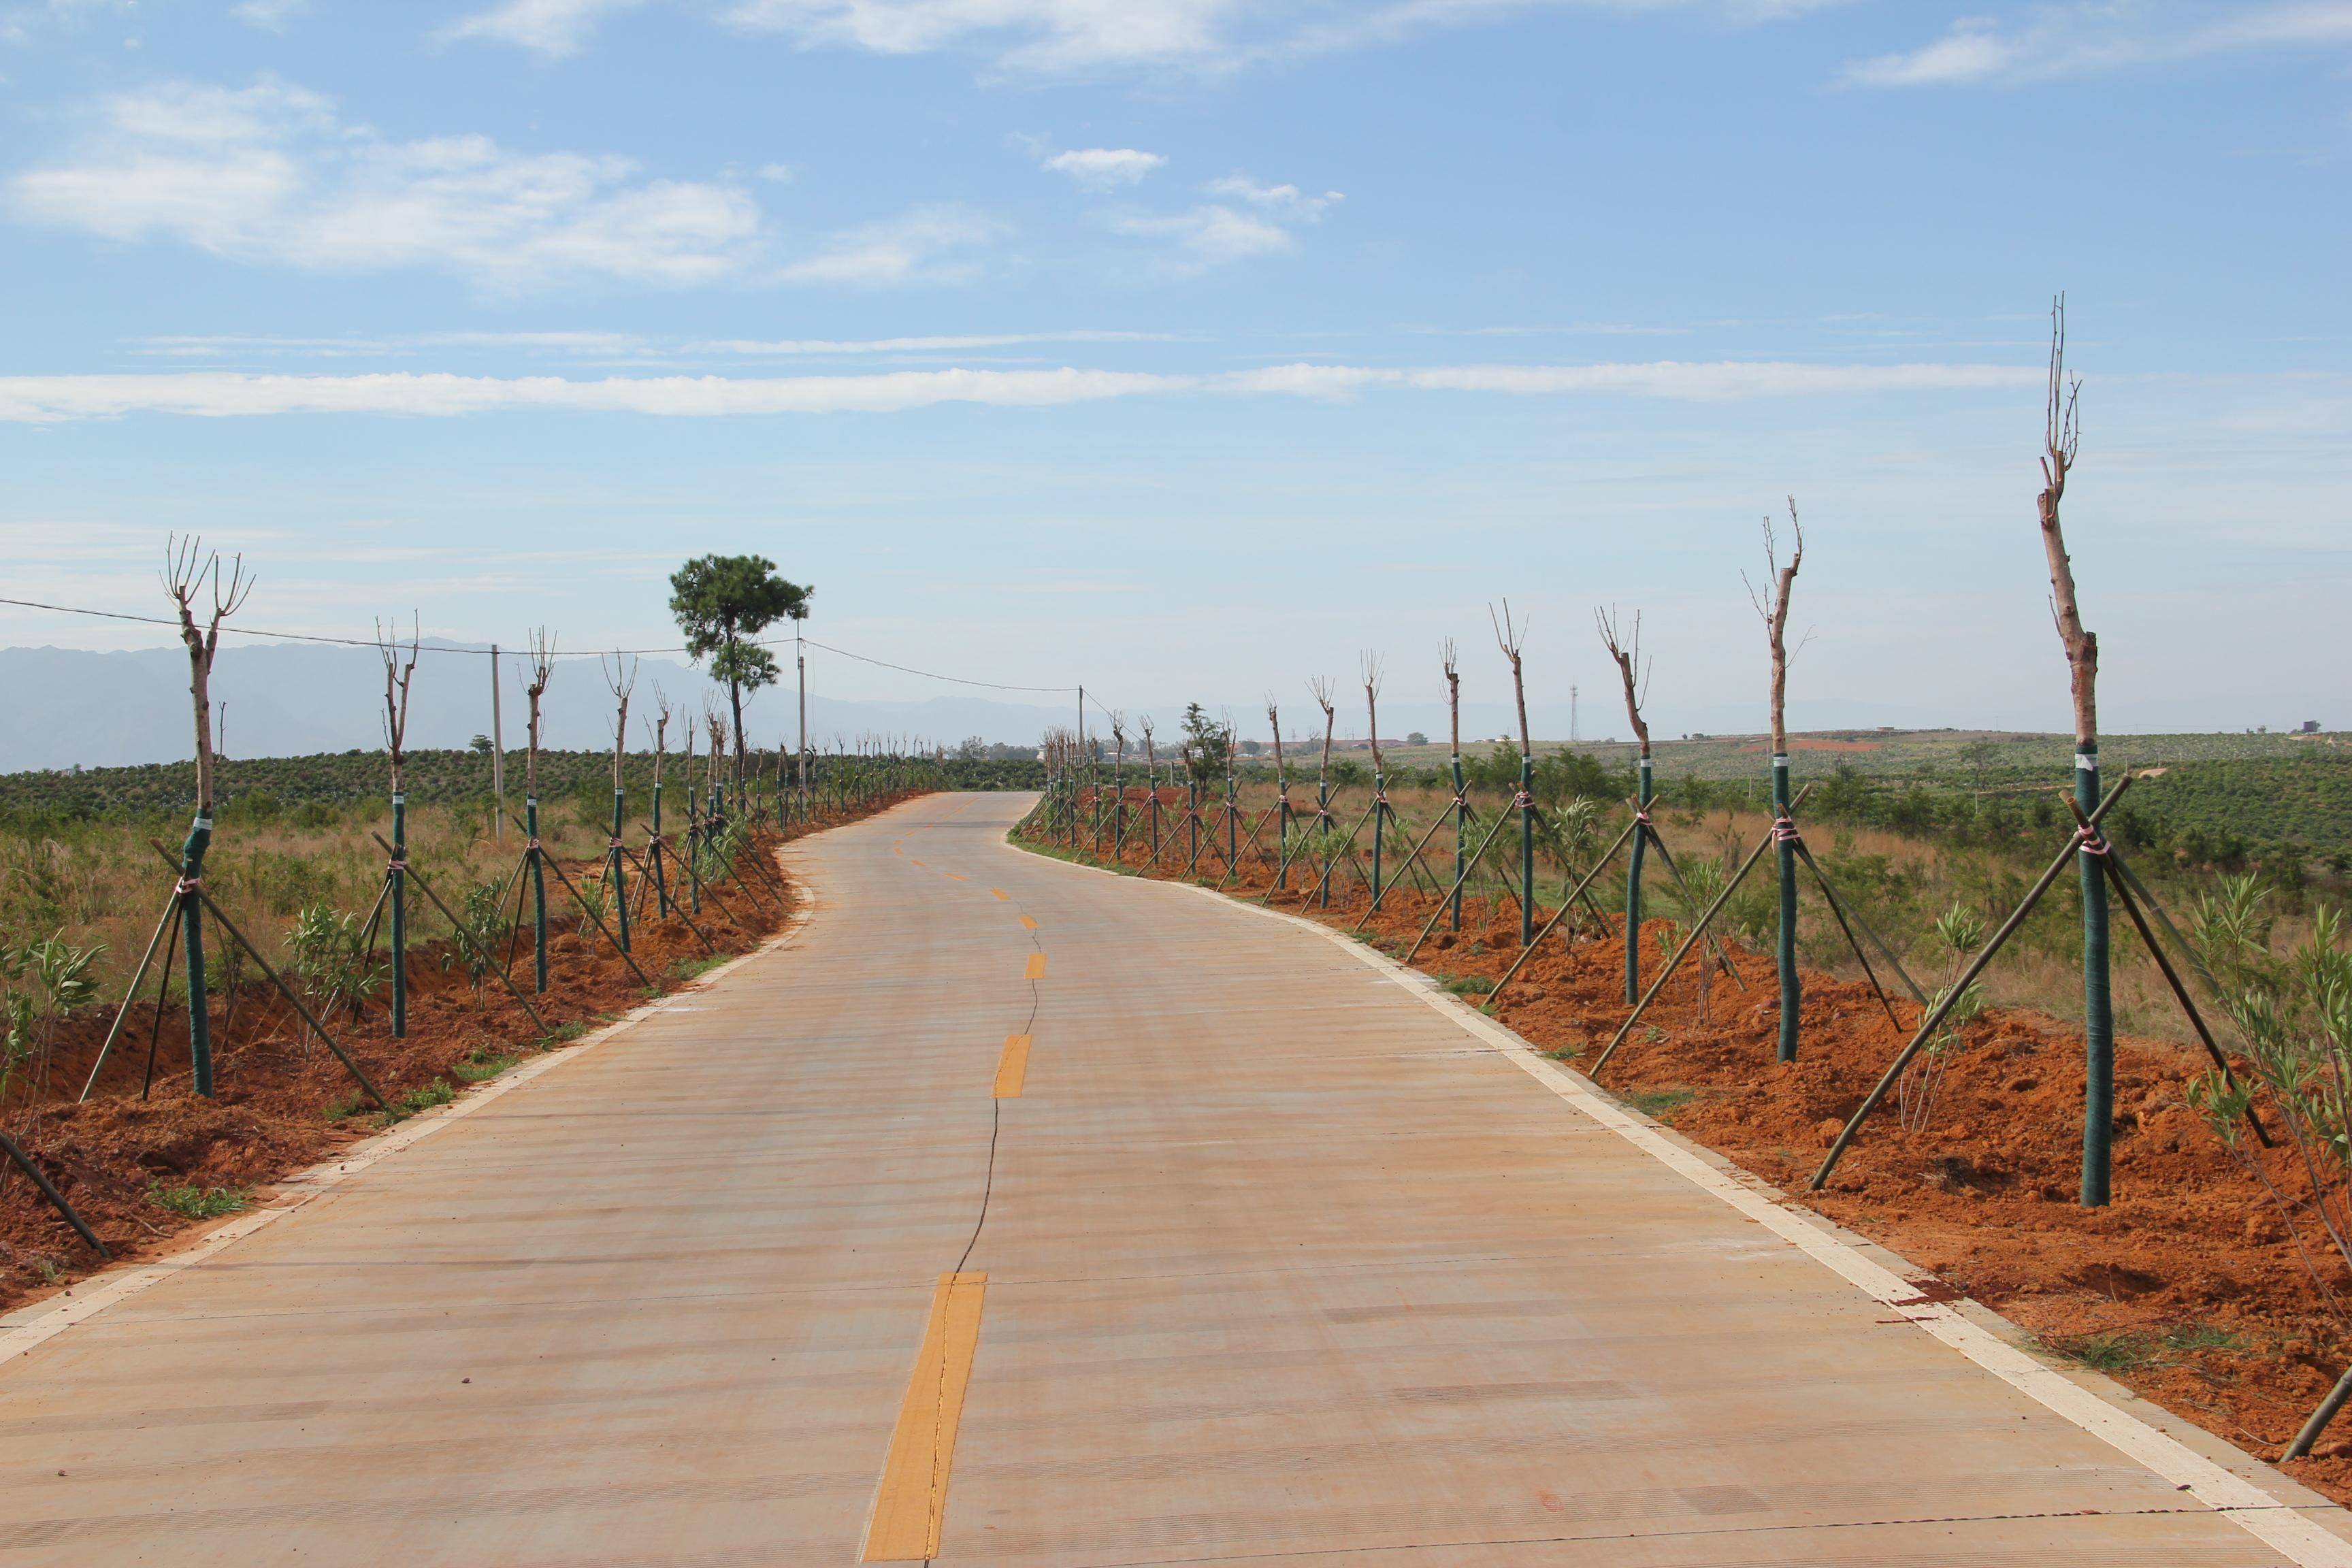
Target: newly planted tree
<point x="189" y="570"/>
<point x="621" y="682"/>
<point x="1774" y="610"/>
<point x="1461" y="791"/>
<point x="399" y="669"/>
<point x="2061" y="438"/>
<point x="1322" y="689"/>
<point x="724" y="602"/>
<point x="542" y="665"/>
<point x="1624" y="645"/>
<point x="1512" y="639"/>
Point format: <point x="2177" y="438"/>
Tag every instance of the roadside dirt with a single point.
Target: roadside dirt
<point x="283" y="1102"/>
<point x="2187" y="1287"/>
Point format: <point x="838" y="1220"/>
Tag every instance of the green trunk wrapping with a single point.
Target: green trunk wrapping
<point x="537" y="892"/>
<point x="1380" y="827"/>
<point x="661" y="882"/>
<point x="1323" y="830"/>
<point x="1634" y="894"/>
<point x="1526" y="850"/>
<point x="693" y="845"/>
<point x="399" y="891"/>
<point x="1282" y="833"/>
<point x="1233" y="825"/>
<point x="2098" y="1009"/>
<point x="618" y="888"/>
<point x="1791" y="997"/>
<point x="192" y="926"/>
<point x="1461" y="832"/>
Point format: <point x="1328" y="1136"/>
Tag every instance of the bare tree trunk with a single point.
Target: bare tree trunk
<point x="1776" y="626"/>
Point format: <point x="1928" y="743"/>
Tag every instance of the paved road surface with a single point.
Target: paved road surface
<point x="1255" y="1258"/>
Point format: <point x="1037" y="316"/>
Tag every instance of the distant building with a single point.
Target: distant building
<point x="2311" y="726"/>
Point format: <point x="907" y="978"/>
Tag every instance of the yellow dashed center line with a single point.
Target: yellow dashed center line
<point x="1036" y="967"/>
<point x="1028" y="923"/>
<point x="912" y="1501"/>
<point x="1001" y="893"/>
<point x="1012" y="1067"/>
<point x="953" y="877"/>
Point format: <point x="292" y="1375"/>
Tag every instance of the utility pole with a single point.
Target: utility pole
<point x="1575" y="731"/>
<point x="498" y="753"/>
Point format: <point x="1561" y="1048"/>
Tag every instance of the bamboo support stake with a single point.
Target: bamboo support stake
<point x="1567" y="903"/>
<point x="504" y="978"/>
<point x="1958" y="988"/>
<point x="130" y="993"/>
<point x="1698" y="928"/>
<point x="2114" y="869"/>
<point x="1461" y="793"/>
<point x="294" y="1001"/>
<point x="57" y="1199"/>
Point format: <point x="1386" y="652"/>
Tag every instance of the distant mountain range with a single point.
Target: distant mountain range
<point x="60" y="707"/>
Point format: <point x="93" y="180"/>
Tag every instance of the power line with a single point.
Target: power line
<point x="485" y="648"/>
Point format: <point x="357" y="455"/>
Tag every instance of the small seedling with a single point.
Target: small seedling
<point x="424" y="1099"/>
<point x="192" y="1202"/>
<point x="2119" y="1351"/>
<point x="1659" y="1102"/>
<point x="1470" y="985"/>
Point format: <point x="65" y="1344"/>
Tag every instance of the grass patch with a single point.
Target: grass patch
<point x="192" y="1202"/>
<point x="1660" y="1103"/>
<point x="2191" y="1337"/>
<point x="478" y="1068"/>
<point x="694" y="968"/>
<point x="566" y="1033"/>
<point x="1470" y="985"/>
<point x="2120" y="1351"/>
<point x="434" y="1093"/>
<point x="349" y="1105"/>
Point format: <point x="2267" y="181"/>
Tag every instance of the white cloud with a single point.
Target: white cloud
<point x="270" y="16"/>
<point x="42" y="399"/>
<point x="794" y="347"/>
<point x="552" y="28"/>
<point x="1208" y="234"/>
<point x="1039" y="34"/>
<point x="1078" y="35"/>
<point x="1283" y="199"/>
<point x="925" y="245"/>
<point x="270" y="174"/>
<point x="1105" y="168"/>
<point x="2105" y="35"/>
<point x="1254" y="220"/>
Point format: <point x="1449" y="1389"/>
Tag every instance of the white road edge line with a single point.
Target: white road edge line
<point x="2276" y="1523"/>
<point x="115" y="1286"/>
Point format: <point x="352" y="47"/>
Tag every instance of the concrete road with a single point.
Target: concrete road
<point x="1017" y="1213"/>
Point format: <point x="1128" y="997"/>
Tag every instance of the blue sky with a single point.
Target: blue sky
<point x="1193" y="347"/>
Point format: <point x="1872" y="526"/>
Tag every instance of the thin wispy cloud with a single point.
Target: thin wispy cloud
<point x="552" y="28"/>
<point x="1105" y="168"/>
<point x="2106" y="36"/>
<point x="924" y="245"/>
<point x="270" y="16"/>
<point x="1051" y="36"/>
<point x="224" y="395"/>
<point x="1252" y="220"/>
<point x="272" y="173"/>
